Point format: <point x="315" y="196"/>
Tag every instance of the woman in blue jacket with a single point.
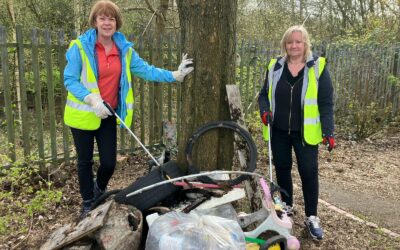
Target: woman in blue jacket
<point x="99" y="69"/>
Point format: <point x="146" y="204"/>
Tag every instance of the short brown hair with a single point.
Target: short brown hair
<point x="306" y="40"/>
<point x="107" y="8"/>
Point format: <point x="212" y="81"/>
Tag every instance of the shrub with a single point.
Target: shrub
<point x="363" y="121"/>
<point x="23" y="194"/>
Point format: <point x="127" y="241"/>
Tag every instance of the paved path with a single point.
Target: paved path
<point x="385" y="213"/>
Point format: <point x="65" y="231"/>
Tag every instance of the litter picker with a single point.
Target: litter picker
<point x="130" y="131"/>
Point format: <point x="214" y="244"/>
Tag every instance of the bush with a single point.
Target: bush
<point x="363" y="121"/>
<point x="24" y="194"/>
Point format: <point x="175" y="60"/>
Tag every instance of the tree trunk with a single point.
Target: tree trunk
<point x="208" y="30"/>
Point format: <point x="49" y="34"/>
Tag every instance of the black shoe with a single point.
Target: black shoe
<point x="86" y="208"/>
<point x="97" y="192"/>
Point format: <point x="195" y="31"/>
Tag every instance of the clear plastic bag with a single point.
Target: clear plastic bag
<point x="225" y="211"/>
<point x="176" y="230"/>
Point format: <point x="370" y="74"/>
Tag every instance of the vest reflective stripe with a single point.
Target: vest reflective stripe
<point x="311" y="121"/>
<point x="80" y="115"/>
<point x="312" y="130"/>
<point x="79" y="106"/>
<point x="311" y="102"/>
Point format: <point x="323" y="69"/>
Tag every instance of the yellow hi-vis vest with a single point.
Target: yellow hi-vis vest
<point x="80" y="115"/>
<point x="312" y="130"/>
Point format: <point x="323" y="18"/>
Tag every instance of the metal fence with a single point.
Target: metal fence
<point x="32" y="93"/>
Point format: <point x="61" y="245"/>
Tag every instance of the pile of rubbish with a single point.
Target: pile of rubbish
<point x="168" y="209"/>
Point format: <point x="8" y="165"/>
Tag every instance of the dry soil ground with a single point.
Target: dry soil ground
<point x="361" y="178"/>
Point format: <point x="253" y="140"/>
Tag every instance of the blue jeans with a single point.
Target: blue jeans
<point x="307" y="161"/>
<point x="106" y="138"/>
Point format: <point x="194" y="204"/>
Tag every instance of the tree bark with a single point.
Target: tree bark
<point x="208" y="29"/>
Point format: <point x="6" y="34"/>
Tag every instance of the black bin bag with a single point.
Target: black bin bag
<point x="151" y="197"/>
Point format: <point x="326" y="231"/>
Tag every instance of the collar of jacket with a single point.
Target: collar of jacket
<point x="89" y="38"/>
<point x="281" y="61"/>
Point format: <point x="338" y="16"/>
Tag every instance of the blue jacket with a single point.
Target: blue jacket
<point x="138" y="67"/>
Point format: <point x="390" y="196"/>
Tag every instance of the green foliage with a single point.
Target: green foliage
<point x="42" y="199"/>
<point x="4" y="221"/>
<point x="23" y="195"/>
<point x="56" y="81"/>
<point x="253" y="122"/>
<point x="364" y="120"/>
<point x="394" y="81"/>
<point x="254" y="125"/>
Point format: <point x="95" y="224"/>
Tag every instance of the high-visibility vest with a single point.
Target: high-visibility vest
<point x="312" y="130"/>
<point x="80" y="115"/>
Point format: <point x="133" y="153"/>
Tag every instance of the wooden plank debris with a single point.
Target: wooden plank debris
<point x="68" y="234"/>
<point x="235" y="107"/>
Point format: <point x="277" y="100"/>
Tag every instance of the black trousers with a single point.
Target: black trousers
<point x="307" y="160"/>
<point x="106" y="138"/>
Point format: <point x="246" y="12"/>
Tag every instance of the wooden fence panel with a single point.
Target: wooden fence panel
<point x="38" y="94"/>
<point x="170" y="66"/>
<point x="23" y="98"/>
<point x="159" y="100"/>
<point x="142" y="99"/>
<point x="61" y="65"/>
<point x="7" y="95"/>
<point x="150" y="98"/>
<point x="178" y="86"/>
<point x="50" y="98"/>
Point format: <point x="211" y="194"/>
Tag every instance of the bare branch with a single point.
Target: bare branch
<point x="136" y="8"/>
<point x="150" y="6"/>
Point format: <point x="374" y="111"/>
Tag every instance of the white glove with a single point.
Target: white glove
<point x="95" y="101"/>
<point x="183" y="69"/>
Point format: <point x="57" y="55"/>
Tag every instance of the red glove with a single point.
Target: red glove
<point x="329" y="140"/>
<point x="266" y="118"/>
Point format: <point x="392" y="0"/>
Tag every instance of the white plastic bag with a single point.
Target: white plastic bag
<point x="180" y="231"/>
<point x="225" y="211"/>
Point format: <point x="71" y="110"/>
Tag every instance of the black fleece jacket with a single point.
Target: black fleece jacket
<point x="284" y="105"/>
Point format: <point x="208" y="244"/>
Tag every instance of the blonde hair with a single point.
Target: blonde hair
<point x="107" y="8"/>
<point x="304" y="34"/>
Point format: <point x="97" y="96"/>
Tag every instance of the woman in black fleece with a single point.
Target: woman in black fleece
<point x="297" y="102"/>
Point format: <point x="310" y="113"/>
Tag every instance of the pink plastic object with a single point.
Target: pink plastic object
<point x="273" y="222"/>
<point x="267" y="193"/>
<point x="293" y="243"/>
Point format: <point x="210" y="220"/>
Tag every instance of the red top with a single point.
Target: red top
<point x="109" y="73"/>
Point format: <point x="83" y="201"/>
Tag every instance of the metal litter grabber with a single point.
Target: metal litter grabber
<point x="130" y="131"/>
<point x="148" y="199"/>
<point x="273" y="186"/>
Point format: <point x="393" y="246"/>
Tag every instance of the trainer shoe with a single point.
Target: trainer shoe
<point x="314" y="227"/>
<point x="86" y="208"/>
<point x="288" y="209"/>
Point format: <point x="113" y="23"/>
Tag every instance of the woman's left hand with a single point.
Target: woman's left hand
<point x="329" y="141"/>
